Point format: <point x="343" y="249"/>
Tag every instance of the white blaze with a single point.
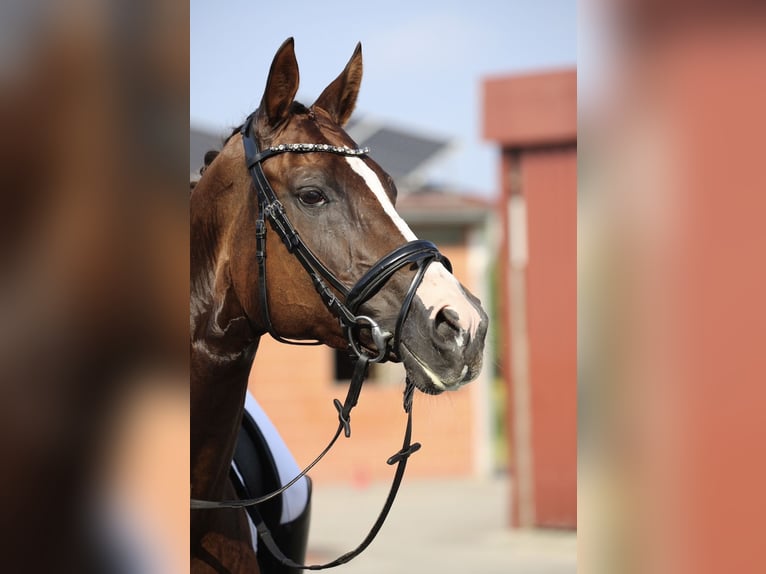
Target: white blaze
<point x="373" y="182"/>
<point x="439" y="288"/>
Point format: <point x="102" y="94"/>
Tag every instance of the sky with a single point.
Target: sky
<point x="423" y="63"/>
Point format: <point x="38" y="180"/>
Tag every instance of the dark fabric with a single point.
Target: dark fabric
<point x="260" y="476"/>
<point x="258" y="469"/>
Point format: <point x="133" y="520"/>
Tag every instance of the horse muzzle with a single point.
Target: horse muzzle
<point x="443" y="351"/>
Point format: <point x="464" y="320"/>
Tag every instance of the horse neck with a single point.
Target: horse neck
<point x="217" y="401"/>
<point x="223" y="344"/>
<point x="218" y="390"/>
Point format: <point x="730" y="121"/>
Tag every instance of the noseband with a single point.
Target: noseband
<point x="418" y="253"/>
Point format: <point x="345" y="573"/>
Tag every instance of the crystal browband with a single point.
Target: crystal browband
<point x="308" y="147"/>
<point x="344" y="150"/>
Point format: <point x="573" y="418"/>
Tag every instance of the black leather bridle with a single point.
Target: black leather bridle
<point x="420" y="253"/>
<point x="417" y="253"/>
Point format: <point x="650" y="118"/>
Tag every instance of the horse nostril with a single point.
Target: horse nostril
<point x="447" y="322"/>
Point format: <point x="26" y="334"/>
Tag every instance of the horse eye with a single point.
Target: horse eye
<point x="312" y="197"/>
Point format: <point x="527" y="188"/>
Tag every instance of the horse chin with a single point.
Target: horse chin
<point x="425" y="379"/>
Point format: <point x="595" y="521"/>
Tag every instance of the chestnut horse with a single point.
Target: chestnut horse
<point x="369" y="284"/>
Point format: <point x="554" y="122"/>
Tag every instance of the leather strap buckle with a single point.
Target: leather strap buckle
<point x="404" y="453"/>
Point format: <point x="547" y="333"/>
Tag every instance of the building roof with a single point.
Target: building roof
<point x="434" y="205"/>
<point x="403" y="153"/>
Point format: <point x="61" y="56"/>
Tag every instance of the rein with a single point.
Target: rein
<point x="416" y="253"/>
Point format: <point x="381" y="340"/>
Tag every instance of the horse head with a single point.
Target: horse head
<point x="341" y="206"/>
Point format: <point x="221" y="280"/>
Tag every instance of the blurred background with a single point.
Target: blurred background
<point x="473" y="110"/>
<point x="96" y="99"/>
<point x="670" y="286"/>
<point x="94" y="287"/>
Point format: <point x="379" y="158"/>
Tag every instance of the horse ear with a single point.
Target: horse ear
<point x="339" y="98"/>
<point x="282" y="84"/>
